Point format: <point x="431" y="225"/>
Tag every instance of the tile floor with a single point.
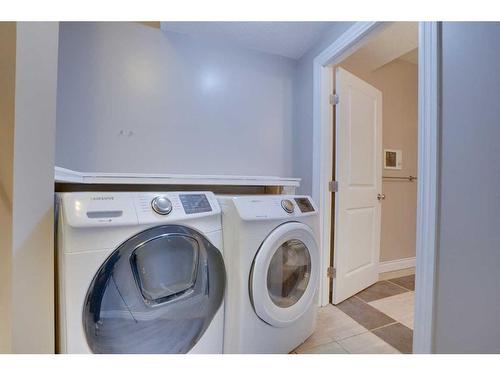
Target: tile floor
<point x="377" y="320"/>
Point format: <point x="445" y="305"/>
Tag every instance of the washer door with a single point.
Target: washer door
<point x="284" y="274"/>
<point x="156" y="293"/>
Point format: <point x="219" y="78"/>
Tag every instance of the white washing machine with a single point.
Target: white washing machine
<point x="140" y="273"/>
<point x="272" y="262"/>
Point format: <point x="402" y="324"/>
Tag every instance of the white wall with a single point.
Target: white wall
<point x="468" y="278"/>
<point x="303" y="108"/>
<point x="194" y="106"/>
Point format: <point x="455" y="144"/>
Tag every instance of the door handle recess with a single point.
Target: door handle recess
<point x="380" y="197"/>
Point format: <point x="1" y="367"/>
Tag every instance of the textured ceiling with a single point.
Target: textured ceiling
<point x="289" y="39"/>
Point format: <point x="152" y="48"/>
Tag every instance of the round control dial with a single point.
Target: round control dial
<point x="161" y="205"/>
<point x="287" y="205"/>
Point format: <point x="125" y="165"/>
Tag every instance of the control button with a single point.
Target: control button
<point x="161" y="205"/>
<point x="287" y="205"/>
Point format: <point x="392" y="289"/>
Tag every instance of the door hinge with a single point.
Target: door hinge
<point x="333" y="186"/>
<point x="331" y="272"/>
<point x="334" y="99"/>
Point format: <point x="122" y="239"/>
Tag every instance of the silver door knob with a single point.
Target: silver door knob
<point x="380" y="197"/>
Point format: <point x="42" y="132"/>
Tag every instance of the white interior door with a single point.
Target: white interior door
<point x="358" y="120"/>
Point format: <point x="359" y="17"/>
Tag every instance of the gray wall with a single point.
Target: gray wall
<point x="230" y="110"/>
<point x="225" y="109"/>
<point x="303" y="108"/>
<point x="468" y="281"/>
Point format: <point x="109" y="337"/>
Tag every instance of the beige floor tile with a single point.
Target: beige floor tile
<point x="399" y="307"/>
<point x="367" y="343"/>
<point x="316" y="339"/>
<point x="332" y="325"/>
<point x="330" y="348"/>
<point x="337" y="324"/>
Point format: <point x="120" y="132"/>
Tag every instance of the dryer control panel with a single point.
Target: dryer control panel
<point x="258" y="207"/>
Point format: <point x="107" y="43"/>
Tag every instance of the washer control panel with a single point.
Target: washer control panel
<point x="191" y="203"/>
<point x="155" y="207"/>
<point x="93" y="209"/>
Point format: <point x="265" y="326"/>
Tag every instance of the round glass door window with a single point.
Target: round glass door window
<point x="284" y="274"/>
<point x="156" y="293"/>
<point x="289" y="273"/>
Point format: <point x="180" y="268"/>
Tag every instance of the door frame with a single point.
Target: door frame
<point x="428" y="162"/>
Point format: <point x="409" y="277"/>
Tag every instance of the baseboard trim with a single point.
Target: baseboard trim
<point x="396" y="264"/>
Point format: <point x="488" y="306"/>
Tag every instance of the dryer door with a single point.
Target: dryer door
<point x="156" y="293"/>
<point x="284" y="275"/>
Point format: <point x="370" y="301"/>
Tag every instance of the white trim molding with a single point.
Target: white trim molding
<point x="396" y="264"/>
<point x="64" y="175"/>
<point x="429" y="87"/>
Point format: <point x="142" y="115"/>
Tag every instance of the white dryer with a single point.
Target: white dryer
<point x="272" y="262"/>
<point x="140" y="273"/>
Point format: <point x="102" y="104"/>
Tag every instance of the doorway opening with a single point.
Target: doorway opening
<point x="368" y="295"/>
